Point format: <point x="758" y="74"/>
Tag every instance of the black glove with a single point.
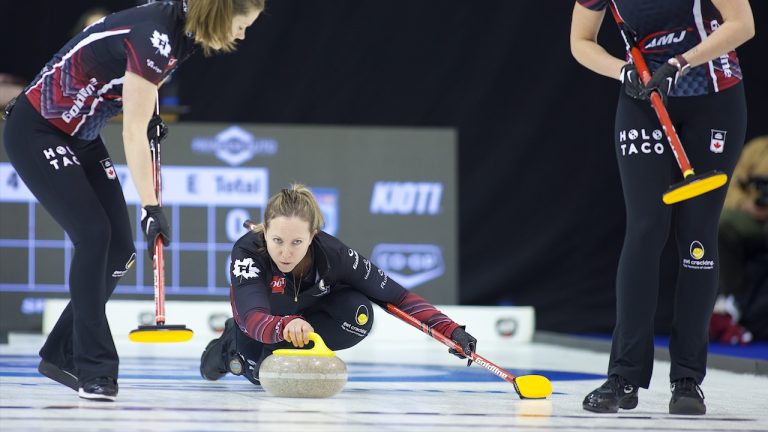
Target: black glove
<point x="630" y="81"/>
<point x="153" y="224"/>
<point x="466" y="341"/>
<point x="663" y="80"/>
<point x="156" y="136"/>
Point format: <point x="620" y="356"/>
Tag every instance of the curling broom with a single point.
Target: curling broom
<point x="160" y="332"/>
<point x="692" y="185"/>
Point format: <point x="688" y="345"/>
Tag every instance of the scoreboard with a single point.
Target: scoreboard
<point x="389" y="193"/>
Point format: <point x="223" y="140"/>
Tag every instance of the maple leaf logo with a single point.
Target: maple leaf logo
<point x="160" y="41"/>
<point x="245" y="268"/>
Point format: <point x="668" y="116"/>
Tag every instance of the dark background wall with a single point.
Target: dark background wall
<point x="541" y="216"/>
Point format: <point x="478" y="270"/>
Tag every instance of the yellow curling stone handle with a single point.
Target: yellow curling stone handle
<point x="319" y="350"/>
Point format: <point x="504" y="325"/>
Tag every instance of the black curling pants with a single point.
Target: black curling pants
<point x="337" y="318"/>
<point x="72" y="181"/>
<point x="647" y="168"/>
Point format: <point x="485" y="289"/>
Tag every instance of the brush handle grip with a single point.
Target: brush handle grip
<point x="656" y="102"/>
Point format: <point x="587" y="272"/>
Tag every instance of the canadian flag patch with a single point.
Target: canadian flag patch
<point x="109" y="169"/>
<point x="717" y="142"/>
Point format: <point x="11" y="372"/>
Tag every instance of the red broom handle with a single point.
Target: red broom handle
<point x="158" y="265"/>
<point x="450" y="343"/>
<point x="656" y="102"/>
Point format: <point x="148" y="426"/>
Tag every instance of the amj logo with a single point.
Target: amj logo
<point x="661" y="39"/>
<point x="406" y="198"/>
<point x="409" y="264"/>
<point x="235" y="145"/>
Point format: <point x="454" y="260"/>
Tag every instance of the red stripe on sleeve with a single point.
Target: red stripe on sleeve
<point x="259" y="325"/>
<point x="417" y="307"/>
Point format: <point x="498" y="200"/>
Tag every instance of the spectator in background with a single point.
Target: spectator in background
<point x="743" y="236"/>
<point x="10" y="87"/>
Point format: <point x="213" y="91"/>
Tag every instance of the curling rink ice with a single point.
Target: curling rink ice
<point x="410" y="386"/>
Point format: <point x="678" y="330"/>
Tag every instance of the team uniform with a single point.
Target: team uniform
<point x="52" y="139"/>
<point x="335" y="297"/>
<point x="708" y="108"/>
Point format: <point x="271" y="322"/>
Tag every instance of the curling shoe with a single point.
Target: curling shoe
<point x="60" y="375"/>
<point x="99" y="389"/>
<point x="615" y="393"/>
<point x="252" y="372"/>
<point x="687" y="398"/>
<point x="216" y="361"/>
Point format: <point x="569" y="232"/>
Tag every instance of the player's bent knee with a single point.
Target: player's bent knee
<point x="356" y="329"/>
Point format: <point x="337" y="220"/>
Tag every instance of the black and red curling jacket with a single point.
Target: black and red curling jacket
<point x="264" y="299"/>
<point x="665" y="28"/>
<point x="81" y="87"/>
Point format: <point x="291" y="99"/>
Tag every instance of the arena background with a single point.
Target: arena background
<point x="540" y="211"/>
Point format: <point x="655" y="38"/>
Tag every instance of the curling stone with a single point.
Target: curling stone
<point x="303" y="373"/>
